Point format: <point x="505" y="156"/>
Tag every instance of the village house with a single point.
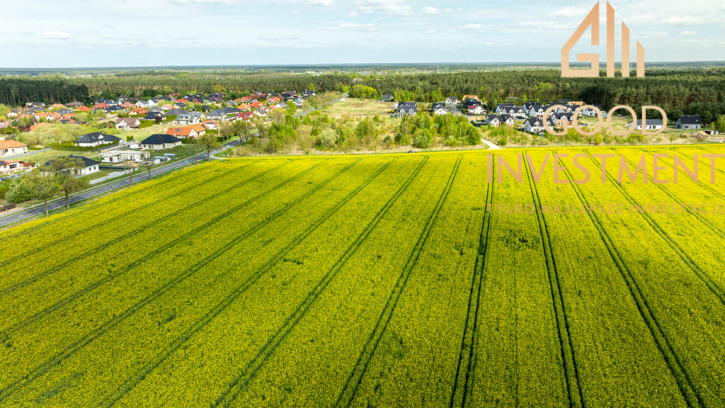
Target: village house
<point x="536" y="125"/>
<point x="651" y="124"/>
<point x="127" y="123"/>
<point x="160" y="142"/>
<point x="189" y="118"/>
<point x="89" y="166"/>
<point x="387" y="98"/>
<point x="11" y="167"/>
<point x="96" y="139"/>
<point x="120" y="156"/>
<point x="10" y="147"/>
<point x="184" y="132"/>
<point x="476" y="110"/>
<point x="689" y="122"/>
<point x="406" y="108"/>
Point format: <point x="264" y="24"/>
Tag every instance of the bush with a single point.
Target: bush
<point x="328" y="139"/>
<point x="18" y="192"/>
<point x="421" y="141"/>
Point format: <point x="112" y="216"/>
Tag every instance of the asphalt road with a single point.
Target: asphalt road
<point x="102" y="189"/>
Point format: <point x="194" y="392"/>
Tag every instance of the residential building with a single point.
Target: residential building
<point x="10" y="147"/>
<point x="160" y="141"/>
<point x="689" y="122"/>
<point x="96" y="139"/>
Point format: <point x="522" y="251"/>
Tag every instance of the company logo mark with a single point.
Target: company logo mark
<point x="592" y="20"/>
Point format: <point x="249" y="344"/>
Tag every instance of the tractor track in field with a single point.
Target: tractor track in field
<point x="150" y="366"/>
<point x="704" y="276"/>
<point x="354" y="380"/>
<point x="89" y="208"/>
<point x="703" y="185"/>
<point x="697" y="215"/>
<point x="89" y="229"/>
<point x="463" y="383"/>
<point x="684" y="383"/>
<point x="131" y="234"/>
<point x="99" y="331"/>
<point x="571" y="372"/>
<point x="251" y="369"/>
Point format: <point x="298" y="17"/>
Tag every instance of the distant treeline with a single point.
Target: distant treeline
<point x="678" y="91"/>
<point x="16" y="91"/>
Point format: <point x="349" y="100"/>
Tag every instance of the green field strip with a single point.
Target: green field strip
<point x="416" y="361"/>
<point x="179" y="341"/>
<point x="348" y="309"/>
<point x="278" y="256"/>
<point x="64" y="265"/>
<point x="70" y="215"/>
<point x="684" y="382"/>
<point x="703" y="275"/>
<point x="707" y="223"/>
<point x="576" y="399"/>
<point x="688" y="312"/>
<point x="353" y="382"/>
<point x="241" y="380"/>
<point x="462" y="383"/>
<point x="97" y="332"/>
<point x="108" y="223"/>
<point x="517" y="357"/>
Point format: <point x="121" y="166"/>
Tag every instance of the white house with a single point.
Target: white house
<point x="476" y="110"/>
<point x="689" y="122"/>
<point x="652" y="124"/>
<point x="406" y="108"/>
<point x="536" y="125"/>
<point x="120" y="156"/>
<point x="493" y="120"/>
<point x="10" y="147"/>
<point x="89" y="166"/>
<point x="160" y="141"/>
<point x="127" y="123"/>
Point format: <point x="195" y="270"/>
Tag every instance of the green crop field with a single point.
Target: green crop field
<point x="373" y="281"/>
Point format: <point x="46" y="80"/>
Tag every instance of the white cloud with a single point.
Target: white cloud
<point x="400" y="8"/>
<point x="55" y="35"/>
<point x="688" y="32"/>
<point x="323" y="3"/>
<point x="349" y="25"/>
<point x="431" y="10"/>
<point x="568" y="11"/>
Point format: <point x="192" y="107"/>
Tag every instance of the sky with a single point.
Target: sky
<point x="118" y="33"/>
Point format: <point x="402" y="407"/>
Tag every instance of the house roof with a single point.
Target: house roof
<point x="10" y="144"/>
<point x="407" y="106"/>
<point x="86" y="161"/>
<point x="97" y="137"/>
<point x="180" y="131"/>
<point x="650" y="122"/>
<point x="160" y="138"/>
<point x="177" y="112"/>
<point x="690" y="119"/>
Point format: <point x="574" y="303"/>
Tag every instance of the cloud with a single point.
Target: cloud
<point x="323" y="3"/>
<point x="400" y="8"/>
<point x="431" y="31"/>
<point x="688" y="32"/>
<point x="349" y="25"/>
<point x="681" y="20"/>
<point x="568" y="11"/>
<point x="470" y="27"/>
<point x="431" y="10"/>
<point x="55" y="35"/>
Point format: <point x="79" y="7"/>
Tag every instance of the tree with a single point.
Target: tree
<point x="208" y="142"/>
<point x="148" y="165"/>
<point x="65" y="170"/>
<point x="242" y="129"/>
<point x="42" y="184"/>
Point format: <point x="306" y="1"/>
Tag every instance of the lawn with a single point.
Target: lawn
<point x="383" y="280"/>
